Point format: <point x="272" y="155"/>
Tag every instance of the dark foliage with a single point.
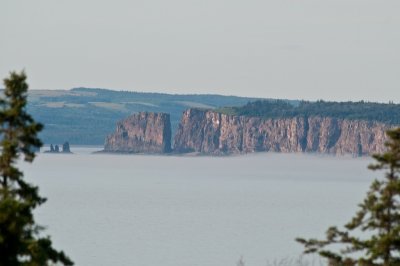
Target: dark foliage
<point x="386" y="113"/>
<point x="20" y="242"/>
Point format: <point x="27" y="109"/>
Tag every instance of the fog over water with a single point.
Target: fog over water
<point x="176" y="211"/>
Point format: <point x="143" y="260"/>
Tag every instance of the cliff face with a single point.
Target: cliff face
<point x="141" y="133"/>
<point x="216" y="133"/>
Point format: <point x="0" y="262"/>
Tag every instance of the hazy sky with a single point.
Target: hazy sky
<point x="299" y="49"/>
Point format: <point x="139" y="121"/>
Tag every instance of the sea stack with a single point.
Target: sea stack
<point x="66" y="148"/>
<point x="144" y="132"/>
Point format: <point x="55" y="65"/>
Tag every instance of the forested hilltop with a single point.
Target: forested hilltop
<point x="369" y="111"/>
<point x="87" y="116"/>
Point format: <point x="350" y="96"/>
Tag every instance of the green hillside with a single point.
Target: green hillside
<point x="87" y="116"/>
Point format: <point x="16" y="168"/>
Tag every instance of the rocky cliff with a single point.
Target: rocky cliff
<point x="141" y="133"/>
<point x="216" y="133"/>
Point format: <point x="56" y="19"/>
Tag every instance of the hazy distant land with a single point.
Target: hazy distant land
<point x="86" y="116"/>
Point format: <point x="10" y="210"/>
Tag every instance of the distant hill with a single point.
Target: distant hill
<point x="87" y="116"/>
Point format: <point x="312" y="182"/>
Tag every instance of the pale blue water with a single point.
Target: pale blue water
<point x="187" y="211"/>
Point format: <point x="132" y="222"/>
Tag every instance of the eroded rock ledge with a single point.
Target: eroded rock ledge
<point x="210" y="132"/>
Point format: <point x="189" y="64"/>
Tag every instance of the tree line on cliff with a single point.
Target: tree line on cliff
<point x="369" y="111"/>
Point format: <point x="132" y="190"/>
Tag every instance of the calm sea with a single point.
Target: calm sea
<point x="187" y="211"/>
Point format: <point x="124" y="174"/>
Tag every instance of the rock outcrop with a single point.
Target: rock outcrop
<point x="216" y="133"/>
<point x="56" y="148"/>
<point x="141" y="133"/>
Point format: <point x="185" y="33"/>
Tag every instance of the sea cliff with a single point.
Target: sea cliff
<point x="141" y="133"/>
<point x="212" y="132"/>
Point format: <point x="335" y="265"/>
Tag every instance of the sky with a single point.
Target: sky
<point x="298" y="49"/>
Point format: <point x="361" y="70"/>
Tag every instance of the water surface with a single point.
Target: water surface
<point x="186" y="211"/>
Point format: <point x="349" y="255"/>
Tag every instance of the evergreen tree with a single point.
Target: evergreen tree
<point x="20" y="240"/>
<point x="372" y="237"/>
